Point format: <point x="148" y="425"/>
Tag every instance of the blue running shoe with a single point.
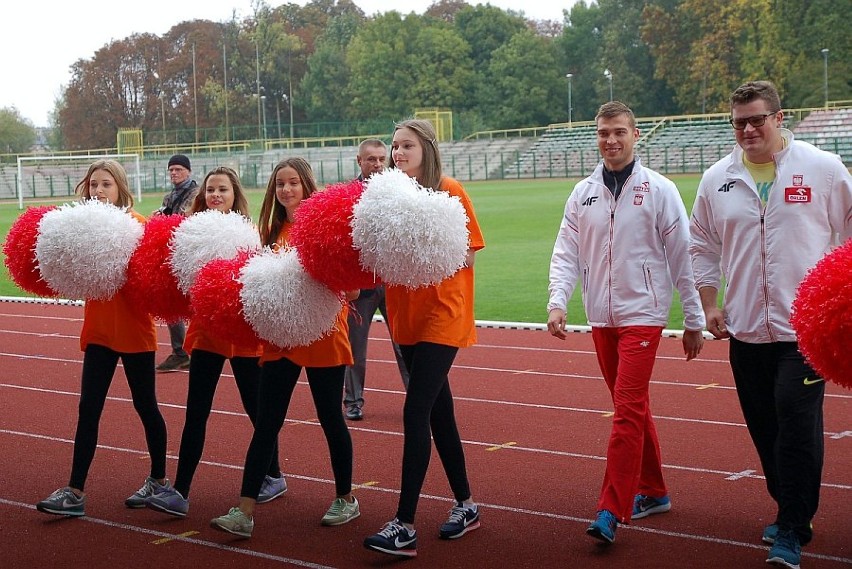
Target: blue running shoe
<point x="394" y="539"/>
<point x="169" y="501"/>
<point x="603" y="528"/>
<point x="461" y="521"/>
<point x="271" y="489"/>
<point x="644" y="506"/>
<point x="786" y="551"/>
<point x="770" y="532"/>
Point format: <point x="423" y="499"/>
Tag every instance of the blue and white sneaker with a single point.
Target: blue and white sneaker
<point x="148" y="489"/>
<point x="271" y="489"/>
<point x="63" y="502"/>
<point x="770" y="532"/>
<point x="394" y="539"/>
<point x="786" y="551"/>
<point x="169" y="501"/>
<point x="604" y="526"/>
<point x="644" y="506"/>
<point x="461" y="521"/>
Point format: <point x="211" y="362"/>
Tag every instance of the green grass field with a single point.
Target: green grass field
<point x="519" y="219"/>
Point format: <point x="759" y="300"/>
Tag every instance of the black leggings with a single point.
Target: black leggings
<point x="429" y="403"/>
<point x="277" y="381"/>
<point x="99" y="365"/>
<point x="205" y="369"/>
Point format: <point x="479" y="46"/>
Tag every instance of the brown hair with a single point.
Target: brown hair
<point x="754" y="90"/>
<point x="114" y="169"/>
<point x="613" y="109"/>
<point x="240" y="202"/>
<point x="272" y="213"/>
<point x="430" y="169"/>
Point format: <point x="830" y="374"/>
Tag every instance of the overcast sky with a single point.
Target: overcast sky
<point x="41" y="40"/>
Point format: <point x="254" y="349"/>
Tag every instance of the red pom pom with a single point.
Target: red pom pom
<point x="822" y="316"/>
<point x="322" y="236"/>
<point x="19" y="249"/>
<point x="150" y="282"/>
<point x="216" y="304"/>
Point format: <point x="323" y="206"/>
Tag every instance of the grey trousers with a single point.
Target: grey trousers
<point x="359" y="331"/>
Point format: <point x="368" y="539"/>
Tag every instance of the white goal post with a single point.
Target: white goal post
<point x="42" y="177"/>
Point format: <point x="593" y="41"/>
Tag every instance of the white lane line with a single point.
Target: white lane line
<point x="185" y="539"/>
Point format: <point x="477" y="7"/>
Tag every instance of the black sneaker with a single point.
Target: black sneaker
<point x="354" y="412"/>
<point x="461" y="521"/>
<point x="173" y="363"/>
<point x="394" y="539"/>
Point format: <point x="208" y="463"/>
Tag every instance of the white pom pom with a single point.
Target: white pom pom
<point x="83" y="249"/>
<point x="283" y="304"/>
<point x="206" y="236"/>
<point x="409" y="235"/>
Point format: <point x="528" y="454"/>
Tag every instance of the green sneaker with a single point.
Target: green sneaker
<point x="63" y="502"/>
<point x="235" y="522"/>
<point x="341" y="512"/>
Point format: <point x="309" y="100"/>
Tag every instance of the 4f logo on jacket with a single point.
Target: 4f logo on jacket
<point x="726" y="187"/>
<point x="590" y="200"/>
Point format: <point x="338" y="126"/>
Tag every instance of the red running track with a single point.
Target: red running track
<point x="534" y="415"/>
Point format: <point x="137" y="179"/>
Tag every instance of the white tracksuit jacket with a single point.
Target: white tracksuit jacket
<point x="628" y="252"/>
<point x="765" y="253"/>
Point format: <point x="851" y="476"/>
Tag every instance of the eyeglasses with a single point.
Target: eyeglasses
<point x="755" y="121"/>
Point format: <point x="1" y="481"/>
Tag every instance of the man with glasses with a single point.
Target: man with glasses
<point x="763" y="216"/>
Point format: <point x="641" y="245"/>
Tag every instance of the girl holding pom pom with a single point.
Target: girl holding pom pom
<point x="324" y="360"/>
<point x="430" y="324"/>
<point x="112" y="329"/>
<point x="221" y="191"/>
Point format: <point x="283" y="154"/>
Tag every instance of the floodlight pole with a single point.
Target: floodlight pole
<point x="608" y="75"/>
<point x="825" y="74"/>
<point x="570" y="109"/>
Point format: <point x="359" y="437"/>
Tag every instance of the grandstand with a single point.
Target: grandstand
<point x="830" y="130"/>
<point x="670" y="145"/>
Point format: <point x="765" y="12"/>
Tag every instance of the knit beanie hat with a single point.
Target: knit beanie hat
<point x="180" y="160"/>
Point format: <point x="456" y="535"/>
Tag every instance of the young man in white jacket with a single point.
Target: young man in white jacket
<point x="625" y="233"/>
<point x="763" y="216"/>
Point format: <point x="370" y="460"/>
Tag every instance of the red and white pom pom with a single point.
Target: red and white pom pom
<point x="283" y="303"/>
<point x="150" y="281"/>
<point x="216" y="304"/>
<point x="83" y="249"/>
<point x="206" y="236"/>
<point x="19" y="249"/>
<point x="409" y="235"/>
<point x="322" y="236"/>
<point x="822" y="316"/>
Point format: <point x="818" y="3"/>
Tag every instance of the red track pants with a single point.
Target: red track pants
<point x="626" y="356"/>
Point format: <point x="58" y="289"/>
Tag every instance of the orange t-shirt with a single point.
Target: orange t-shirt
<point x="442" y="313"/>
<point x="331" y="350"/>
<point x="117" y="324"/>
<point x="199" y="339"/>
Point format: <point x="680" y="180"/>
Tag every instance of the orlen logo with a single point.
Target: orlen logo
<point x="644" y="187"/>
<point x="801" y="194"/>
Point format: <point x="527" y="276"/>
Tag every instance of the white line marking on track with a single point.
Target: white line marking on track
<point x="190" y="540"/>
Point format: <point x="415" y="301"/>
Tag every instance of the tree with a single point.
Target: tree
<point x="17" y="134"/>
<point x="524" y="83"/>
<point x="324" y="86"/>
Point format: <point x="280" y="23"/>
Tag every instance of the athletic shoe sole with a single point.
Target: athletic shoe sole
<point x="162" y="509"/>
<point x="214" y="525"/>
<point x="47" y="510"/>
<point x="471" y="527"/>
<point x="399" y="552"/>
<point x="661" y="509"/>
<point x="340" y="522"/>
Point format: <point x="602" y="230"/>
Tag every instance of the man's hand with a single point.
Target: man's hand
<point x="693" y="341"/>
<point x="716" y="323"/>
<point x="556" y="323"/>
